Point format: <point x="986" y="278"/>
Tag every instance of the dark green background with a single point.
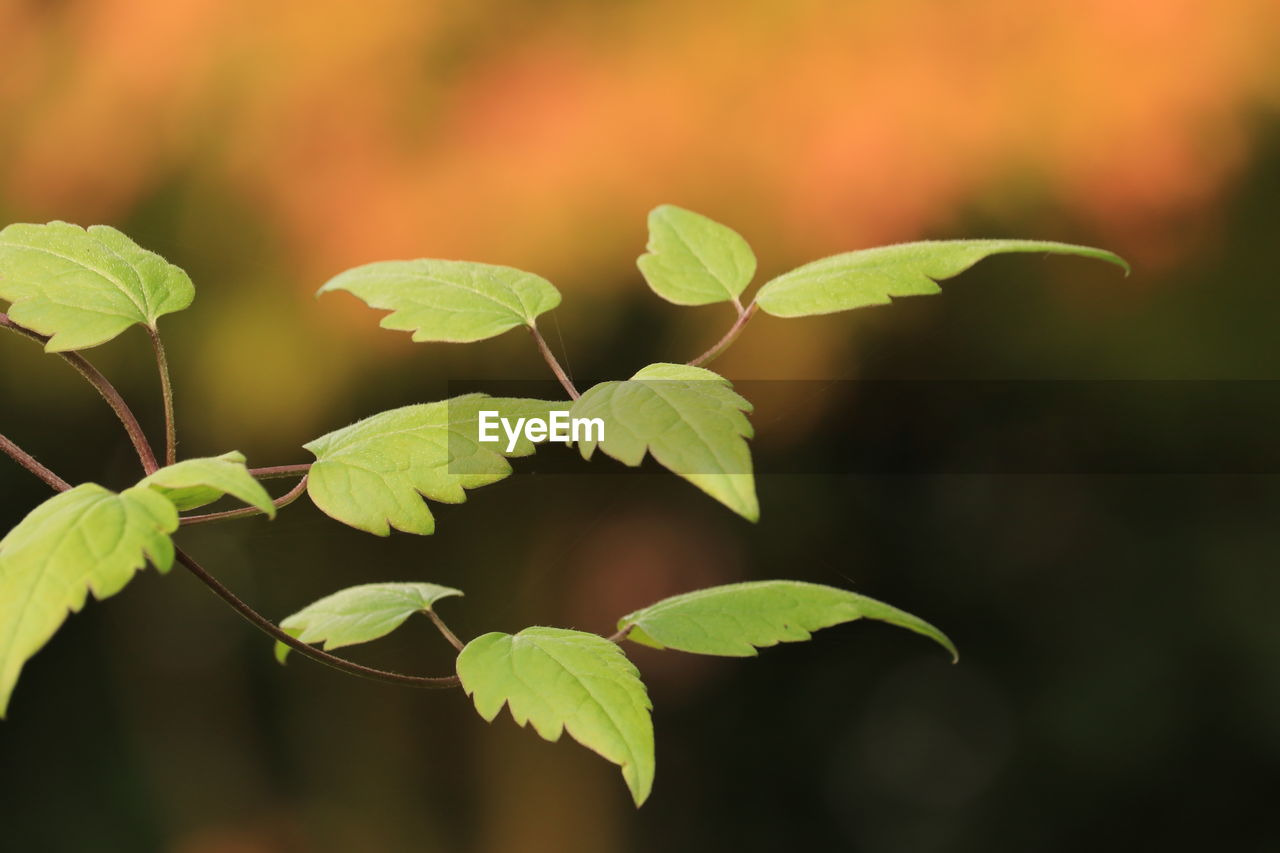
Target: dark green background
<point x="1119" y="686"/>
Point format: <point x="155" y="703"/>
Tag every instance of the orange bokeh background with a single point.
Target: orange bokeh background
<point x="267" y="146"/>
<point x="538" y="134"/>
<point x="510" y="131"/>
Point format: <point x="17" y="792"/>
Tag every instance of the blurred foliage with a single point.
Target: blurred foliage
<point x="1121" y="678"/>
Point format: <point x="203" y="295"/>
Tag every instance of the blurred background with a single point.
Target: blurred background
<point x="1120" y="680"/>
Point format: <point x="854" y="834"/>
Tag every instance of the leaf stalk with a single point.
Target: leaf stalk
<point x="550" y="358"/>
<point x="166" y="388"/>
<point x="744" y="317"/>
<point x="104" y="387"/>
<point x="444" y="630"/>
<point x="26" y="460"/>
<point x="278" y="471"/>
<point x="248" y="511"/>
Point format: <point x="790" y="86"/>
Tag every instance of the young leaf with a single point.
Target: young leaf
<point x="84" y="540"/>
<point x="689" y="418"/>
<point x="195" y="483"/>
<point x="693" y="260"/>
<point x="874" y="276"/>
<point x="566" y="680"/>
<point x="373" y="474"/>
<point x="359" y="614"/>
<point x="736" y="619"/>
<point x="449" y="301"/>
<point x="83" y="287"/>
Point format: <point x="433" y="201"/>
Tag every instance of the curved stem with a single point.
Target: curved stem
<point x="269" y="628"/>
<point x="744" y="317"/>
<point x="26" y="460"/>
<point x="252" y="616"/>
<point x="245" y="512"/>
<point x="104" y="387"/>
<point x="279" y="471"/>
<point x="166" y="388"/>
<point x="550" y="358"/>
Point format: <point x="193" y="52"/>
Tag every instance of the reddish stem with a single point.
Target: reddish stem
<point x="104" y="387"/>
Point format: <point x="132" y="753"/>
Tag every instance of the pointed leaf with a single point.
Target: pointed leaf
<point x="450" y="301"/>
<point x="693" y="260"/>
<point x="736" y="619"/>
<point x="84" y="540"/>
<point x="359" y="614"/>
<point x="373" y="474"/>
<point x="195" y="483"/>
<point x="84" y="287"/>
<point x="566" y="680"/>
<point x="874" y="276"/>
<point x="689" y="418"/>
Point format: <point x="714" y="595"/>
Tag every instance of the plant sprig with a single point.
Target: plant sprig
<point x="70" y="289"/>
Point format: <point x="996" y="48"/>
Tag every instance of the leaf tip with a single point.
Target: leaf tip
<point x="1113" y="258"/>
<point x="639" y="794"/>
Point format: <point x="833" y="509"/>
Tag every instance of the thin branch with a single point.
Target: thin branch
<point x="166" y="388"/>
<point x="252" y="616"/>
<point x="245" y="512"/>
<point x="744" y="317"/>
<point x="104" y="387"/>
<point x="279" y="471"/>
<point x="26" y="460"/>
<point x="444" y="630"/>
<point x="550" y="358"/>
<point x="269" y="628"/>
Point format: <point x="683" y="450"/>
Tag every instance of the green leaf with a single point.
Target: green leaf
<point x="359" y="614"/>
<point x="373" y="474"/>
<point x="566" y="680"/>
<point x="874" y="276"/>
<point x="450" y="301"/>
<point x="689" y="418"/>
<point x="82" y="288"/>
<point x="693" y="260"/>
<point x="195" y="483"/>
<point x="87" y="539"/>
<point x="736" y="619"/>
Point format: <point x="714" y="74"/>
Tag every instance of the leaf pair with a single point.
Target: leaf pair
<point x="688" y="419"/>
<point x="92" y="540"/>
<point x="561" y="680"/>
<point x="693" y="260"/>
<point x="374" y="474"/>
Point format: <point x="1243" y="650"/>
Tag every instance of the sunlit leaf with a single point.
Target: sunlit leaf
<point x="693" y="260"/>
<point x="194" y="483"/>
<point x="451" y="301"/>
<point x="571" y="681"/>
<point x="875" y="276"/>
<point x="86" y="540"/>
<point x="736" y="619"/>
<point x="690" y="420"/>
<point x="84" y="287"/>
<point x="359" y="614"/>
<point x="374" y="474"/>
